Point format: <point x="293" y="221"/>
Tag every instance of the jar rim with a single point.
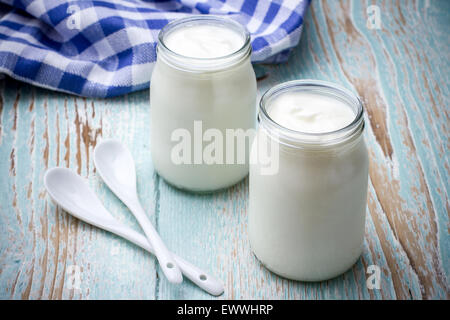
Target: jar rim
<point x="215" y="63"/>
<point x="320" y="138"/>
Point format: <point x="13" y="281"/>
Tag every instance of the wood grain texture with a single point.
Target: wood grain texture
<point x="400" y="71"/>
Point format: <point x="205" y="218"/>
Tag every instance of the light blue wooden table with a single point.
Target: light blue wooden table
<point x="401" y="71"/>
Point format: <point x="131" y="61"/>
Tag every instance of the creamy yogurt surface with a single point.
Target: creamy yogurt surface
<point x="204" y="41"/>
<point x="310" y="112"/>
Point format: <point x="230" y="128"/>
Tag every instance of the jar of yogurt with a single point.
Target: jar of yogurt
<point x="306" y="220"/>
<point x="203" y="84"/>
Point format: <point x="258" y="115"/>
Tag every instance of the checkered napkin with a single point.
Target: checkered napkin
<point x="108" y="48"/>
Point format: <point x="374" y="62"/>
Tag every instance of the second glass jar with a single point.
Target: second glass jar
<point x="306" y="219"/>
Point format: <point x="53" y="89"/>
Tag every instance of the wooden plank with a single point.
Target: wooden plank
<point x="401" y="73"/>
<point x="40" y="243"/>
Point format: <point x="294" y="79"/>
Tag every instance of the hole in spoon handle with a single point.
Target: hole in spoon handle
<point x="171" y="271"/>
<point x="201" y="278"/>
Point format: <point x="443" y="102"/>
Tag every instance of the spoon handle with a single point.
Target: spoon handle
<point x="168" y="264"/>
<point x="202" y="279"/>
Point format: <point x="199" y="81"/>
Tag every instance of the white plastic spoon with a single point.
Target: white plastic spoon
<point x="72" y="193"/>
<point x="115" y="165"/>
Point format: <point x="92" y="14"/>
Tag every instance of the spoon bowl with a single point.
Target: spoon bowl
<point x="71" y="192"/>
<point x="117" y="165"/>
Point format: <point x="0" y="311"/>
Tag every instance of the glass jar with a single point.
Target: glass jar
<point x="306" y="220"/>
<point x="190" y="97"/>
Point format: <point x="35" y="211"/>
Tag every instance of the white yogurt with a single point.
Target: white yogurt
<point x="204" y="41"/>
<point x="186" y="88"/>
<point x="306" y="222"/>
<point x="310" y="112"/>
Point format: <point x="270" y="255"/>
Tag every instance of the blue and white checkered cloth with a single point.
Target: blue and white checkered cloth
<point x="100" y="48"/>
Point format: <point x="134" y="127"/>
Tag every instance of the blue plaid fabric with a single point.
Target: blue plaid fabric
<point x="108" y="48"/>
